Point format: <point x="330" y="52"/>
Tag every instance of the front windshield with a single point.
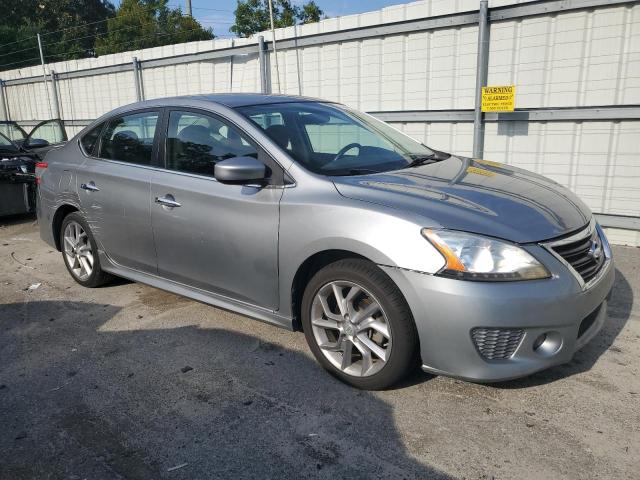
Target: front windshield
<point x="335" y="140"/>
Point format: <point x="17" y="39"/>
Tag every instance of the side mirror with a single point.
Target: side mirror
<point x="37" y="143"/>
<point x="240" y="170"/>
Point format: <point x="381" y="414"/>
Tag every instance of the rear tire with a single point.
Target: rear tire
<point x="80" y="252"/>
<point x="358" y="325"/>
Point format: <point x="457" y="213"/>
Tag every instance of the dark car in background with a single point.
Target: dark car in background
<point x="19" y="153"/>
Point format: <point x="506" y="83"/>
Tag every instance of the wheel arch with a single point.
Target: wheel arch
<point x="61" y="212"/>
<point x="307" y="269"/>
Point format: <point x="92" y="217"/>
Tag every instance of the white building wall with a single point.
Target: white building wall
<point x="571" y="59"/>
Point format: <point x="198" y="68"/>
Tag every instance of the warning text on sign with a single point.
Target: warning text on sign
<point x="499" y="99"/>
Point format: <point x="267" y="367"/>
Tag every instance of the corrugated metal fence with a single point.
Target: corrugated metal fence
<point x="575" y="64"/>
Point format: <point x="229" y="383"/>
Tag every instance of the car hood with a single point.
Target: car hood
<point x="476" y="196"/>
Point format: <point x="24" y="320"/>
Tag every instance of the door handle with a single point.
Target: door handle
<point x="168" y="201"/>
<point x="90" y="187"/>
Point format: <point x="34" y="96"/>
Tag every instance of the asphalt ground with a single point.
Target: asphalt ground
<point x="130" y="382"/>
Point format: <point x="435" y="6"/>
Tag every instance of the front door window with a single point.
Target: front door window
<point x="196" y="142"/>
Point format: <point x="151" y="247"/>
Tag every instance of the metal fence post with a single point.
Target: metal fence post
<point x="54" y="86"/>
<point x="264" y="86"/>
<point x="482" y="70"/>
<point x="136" y="79"/>
<point x="231" y="67"/>
<point x="3" y="104"/>
<point x="141" y="81"/>
<point x="44" y="75"/>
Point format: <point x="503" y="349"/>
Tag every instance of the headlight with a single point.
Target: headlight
<point x="473" y="257"/>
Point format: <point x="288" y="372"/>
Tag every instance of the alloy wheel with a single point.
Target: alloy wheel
<point x="78" y="251"/>
<point x="351" y="328"/>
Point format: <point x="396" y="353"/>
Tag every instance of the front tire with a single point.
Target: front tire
<point x="358" y="325"/>
<point x="80" y="252"/>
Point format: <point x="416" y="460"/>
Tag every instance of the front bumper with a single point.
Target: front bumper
<point x="447" y="310"/>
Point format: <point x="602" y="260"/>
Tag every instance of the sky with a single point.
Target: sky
<point x="218" y="14"/>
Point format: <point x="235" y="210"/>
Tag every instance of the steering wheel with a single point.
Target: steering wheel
<point x="344" y="150"/>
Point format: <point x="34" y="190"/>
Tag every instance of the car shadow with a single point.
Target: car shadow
<point x="87" y="392"/>
<point x="17" y="219"/>
<point x="117" y="281"/>
<point x="618" y="313"/>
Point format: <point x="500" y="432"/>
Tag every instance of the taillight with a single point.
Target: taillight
<point x="42" y="166"/>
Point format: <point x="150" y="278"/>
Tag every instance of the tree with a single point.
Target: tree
<point x="252" y="16"/>
<point x="310" y="13"/>
<point x="148" y="23"/>
<point x="68" y="29"/>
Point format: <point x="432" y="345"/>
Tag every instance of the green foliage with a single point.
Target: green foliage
<point x="86" y="28"/>
<point x="252" y="16"/>
<point x="310" y="13"/>
<point x="148" y="23"/>
<point x="21" y="20"/>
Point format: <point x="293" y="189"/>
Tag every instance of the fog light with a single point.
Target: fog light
<point x="547" y="344"/>
<point x="539" y="341"/>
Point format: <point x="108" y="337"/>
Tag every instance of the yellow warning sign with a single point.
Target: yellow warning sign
<point x="480" y="171"/>
<point x="499" y="99"/>
<point x="490" y="163"/>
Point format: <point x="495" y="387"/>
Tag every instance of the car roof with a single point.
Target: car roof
<point x="230" y="100"/>
<point x="244" y="99"/>
<point x="226" y="100"/>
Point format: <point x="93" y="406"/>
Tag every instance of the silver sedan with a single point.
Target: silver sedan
<point x="313" y="216"/>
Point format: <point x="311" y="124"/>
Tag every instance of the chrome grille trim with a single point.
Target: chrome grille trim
<point x="589" y="233"/>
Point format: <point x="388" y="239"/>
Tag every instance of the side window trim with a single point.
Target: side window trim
<point x="92" y="153"/>
<point x="96" y="146"/>
<point x="160" y="139"/>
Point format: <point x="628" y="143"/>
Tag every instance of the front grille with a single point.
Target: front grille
<point x="496" y="343"/>
<point x="585" y="255"/>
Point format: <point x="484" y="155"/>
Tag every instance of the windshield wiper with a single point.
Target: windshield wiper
<point x="419" y="160"/>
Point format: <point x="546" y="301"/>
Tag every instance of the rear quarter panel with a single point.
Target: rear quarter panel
<point x="57" y="186"/>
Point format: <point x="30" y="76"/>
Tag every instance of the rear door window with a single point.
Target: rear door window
<point x="129" y="138"/>
<point x="89" y="140"/>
